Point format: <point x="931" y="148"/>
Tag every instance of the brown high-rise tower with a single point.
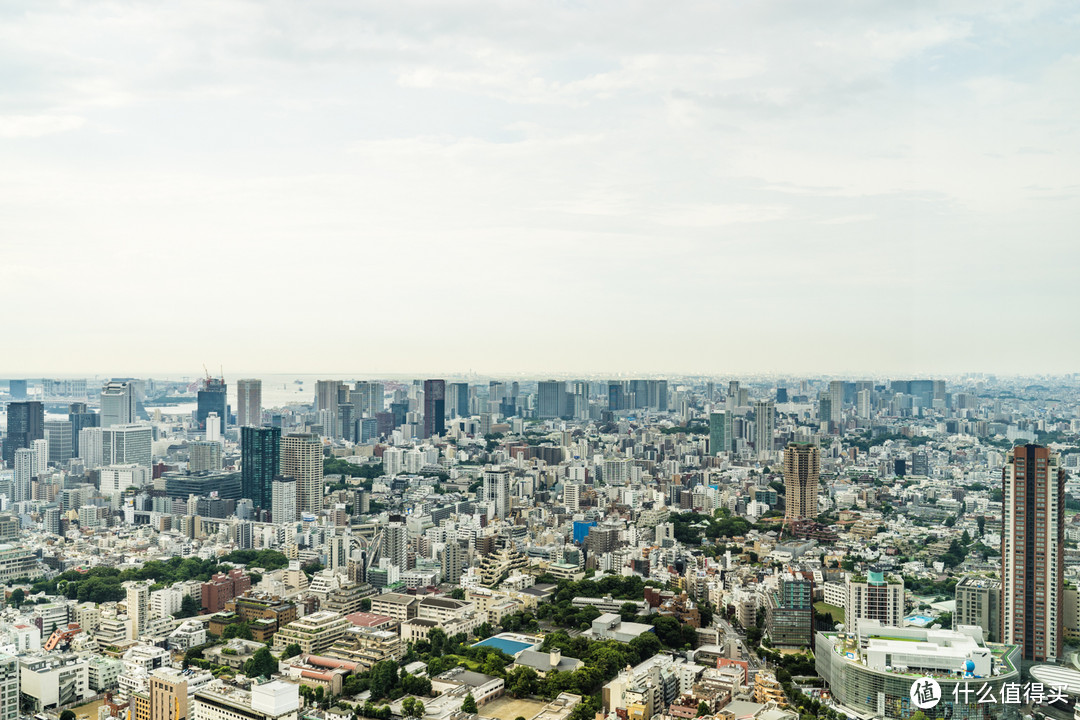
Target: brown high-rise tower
<point x="1032" y="551"/>
<point x="802" y="465"/>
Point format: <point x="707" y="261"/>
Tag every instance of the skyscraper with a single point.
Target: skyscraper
<point x="836" y="397"/>
<point x="453" y="560"/>
<point x="123" y="444"/>
<point x="1032" y="552"/>
<point x="212" y="398"/>
<point x="368" y="398"/>
<point x="204" y="455"/>
<point x="118" y="403"/>
<point x="802" y="465"/>
<point x="764" y="424"/>
<point x="719" y="432"/>
<point x="248" y="402"/>
<point x="825" y="410"/>
<point x="497" y="491"/>
<point x="81" y="417"/>
<point x="25" y="469"/>
<point x="260" y="462"/>
<point x="283" y="504"/>
<point x="862" y="404"/>
<point x="550" y="399"/>
<point x="434" y="408"/>
<point x="17" y="389"/>
<point x="326" y="404"/>
<point x="25" y="424"/>
<point x="58" y="433"/>
<point x="138" y="606"/>
<point x="301" y="459"/>
<point x="615" y="395"/>
<point x="395" y="544"/>
<point x="458" y="399"/>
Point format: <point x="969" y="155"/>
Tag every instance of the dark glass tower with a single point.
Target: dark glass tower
<point x="260" y="458"/>
<point x="212" y="399"/>
<point x="25" y="424"/>
<point x="434" y="408"/>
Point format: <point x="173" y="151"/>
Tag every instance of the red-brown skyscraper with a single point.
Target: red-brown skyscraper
<point x="1032" y="551"/>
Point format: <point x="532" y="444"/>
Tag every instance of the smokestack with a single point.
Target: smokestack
<point x="556" y="658"/>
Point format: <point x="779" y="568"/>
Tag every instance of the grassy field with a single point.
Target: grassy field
<point x="89" y="710"/>
<point x="508" y="708"/>
<point x="837" y="613"/>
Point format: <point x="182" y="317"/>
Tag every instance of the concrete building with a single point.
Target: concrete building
<point x="118" y="403"/>
<point x="764" y="425"/>
<point x="138" y="606"/>
<point x="9" y="687"/>
<point x="275" y="700"/>
<point x="978" y="603"/>
<point x="302" y="460"/>
<point x="873" y="672"/>
<point x="49" y="681"/>
<point x="874" y="596"/>
<point x="496" y="490"/>
<point x="284" y="504"/>
<point x="314" y="633"/>
<point x="249" y="402"/>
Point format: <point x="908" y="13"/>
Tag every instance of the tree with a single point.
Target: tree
<point x="291" y="650"/>
<point x="702" y="708"/>
<point x="411" y="707"/>
<point x="189" y="607"/>
<point x="237" y="630"/>
<point x="18" y="597"/>
<point x="384" y="676"/>
<point x="365" y="605"/>
<point x="261" y="663"/>
<point x="67" y="715"/>
<point x="469" y="706"/>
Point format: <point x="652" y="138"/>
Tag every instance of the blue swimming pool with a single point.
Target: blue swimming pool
<point x="510" y="647"/>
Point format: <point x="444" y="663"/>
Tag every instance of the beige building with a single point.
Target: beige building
<point x="398" y="606"/>
<point x="314" y="633"/>
<point x="302" y="459"/>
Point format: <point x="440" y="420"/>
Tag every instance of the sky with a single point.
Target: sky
<point x="638" y="187"/>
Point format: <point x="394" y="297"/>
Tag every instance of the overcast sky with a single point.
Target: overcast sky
<point x="663" y="187"/>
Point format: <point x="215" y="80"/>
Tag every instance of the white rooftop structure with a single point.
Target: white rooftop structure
<point x="912" y="649"/>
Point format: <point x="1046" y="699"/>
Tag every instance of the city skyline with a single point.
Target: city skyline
<point x="884" y="171"/>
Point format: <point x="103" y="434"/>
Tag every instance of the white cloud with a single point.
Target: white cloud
<point x="431" y="166"/>
<point x="34" y="126"/>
